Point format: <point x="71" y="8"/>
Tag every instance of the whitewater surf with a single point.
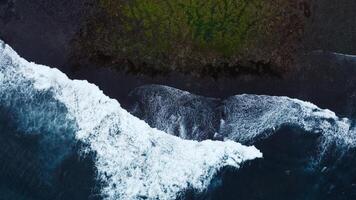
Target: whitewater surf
<point x="60" y="118"/>
<point x="309" y="152"/>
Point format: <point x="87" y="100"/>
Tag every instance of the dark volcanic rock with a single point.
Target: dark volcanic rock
<point x="41" y="30"/>
<point x="332" y="27"/>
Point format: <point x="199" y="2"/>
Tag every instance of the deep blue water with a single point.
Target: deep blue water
<point x="24" y="176"/>
<point x="287" y="171"/>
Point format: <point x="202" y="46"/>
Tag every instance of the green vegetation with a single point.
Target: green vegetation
<point x="188" y="34"/>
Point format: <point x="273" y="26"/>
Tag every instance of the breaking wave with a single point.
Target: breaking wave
<point x="244" y="118"/>
<point x="309" y="152"/>
<point x="52" y="124"/>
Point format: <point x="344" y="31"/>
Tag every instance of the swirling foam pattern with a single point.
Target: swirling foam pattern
<point x="243" y="118"/>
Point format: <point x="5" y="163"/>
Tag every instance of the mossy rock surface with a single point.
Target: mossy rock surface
<point x="193" y="36"/>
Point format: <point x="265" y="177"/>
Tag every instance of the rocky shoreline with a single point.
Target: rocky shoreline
<point x="320" y="77"/>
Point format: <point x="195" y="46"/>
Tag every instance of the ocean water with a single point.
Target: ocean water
<point x="308" y="152"/>
<point x="65" y="139"/>
<point x="306" y="155"/>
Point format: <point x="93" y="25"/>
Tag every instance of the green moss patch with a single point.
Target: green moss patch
<point x="190" y="35"/>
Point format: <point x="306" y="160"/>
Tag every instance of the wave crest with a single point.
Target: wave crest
<point x="133" y="160"/>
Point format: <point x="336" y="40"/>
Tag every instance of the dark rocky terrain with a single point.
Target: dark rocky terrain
<point x="43" y="32"/>
<point x="46" y="31"/>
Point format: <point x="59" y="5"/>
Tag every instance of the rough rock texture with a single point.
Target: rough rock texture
<point x="194" y="37"/>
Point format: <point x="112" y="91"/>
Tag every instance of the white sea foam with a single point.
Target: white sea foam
<point x="250" y="116"/>
<point x="242" y="118"/>
<point x="133" y="160"/>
